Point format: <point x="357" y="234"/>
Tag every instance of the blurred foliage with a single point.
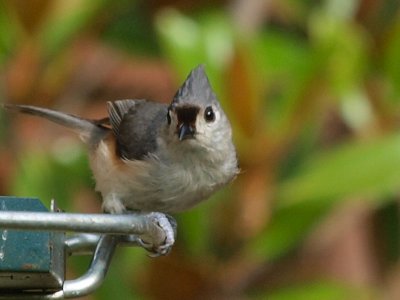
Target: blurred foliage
<point x="318" y="290"/>
<point x="312" y="92"/>
<point x="43" y="175"/>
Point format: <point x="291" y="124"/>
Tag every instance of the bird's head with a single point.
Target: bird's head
<point x="195" y="115"/>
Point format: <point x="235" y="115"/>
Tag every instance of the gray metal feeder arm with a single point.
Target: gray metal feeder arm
<point x="105" y="232"/>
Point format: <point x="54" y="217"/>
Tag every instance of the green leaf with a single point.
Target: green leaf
<point x="188" y="42"/>
<point x="360" y="169"/>
<point x="368" y="169"/>
<point x="288" y="227"/>
<point x="126" y="266"/>
<point x="132" y="28"/>
<point x="320" y="290"/>
<point x="65" y="21"/>
<point x="10" y="32"/>
<point x="181" y="39"/>
<point x="342" y="47"/>
<point x="392" y="60"/>
<point x="41" y="175"/>
<point x="281" y="55"/>
<point x="287" y="66"/>
<point x="194" y="227"/>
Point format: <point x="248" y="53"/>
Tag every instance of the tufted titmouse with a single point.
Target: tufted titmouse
<point x="148" y="156"/>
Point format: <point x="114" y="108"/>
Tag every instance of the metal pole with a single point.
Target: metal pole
<point x="85" y="243"/>
<point x="94" y="223"/>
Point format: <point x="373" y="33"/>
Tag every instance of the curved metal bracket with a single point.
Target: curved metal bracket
<point x="97" y="270"/>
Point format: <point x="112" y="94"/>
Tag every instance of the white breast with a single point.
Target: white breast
<point x="171" y="182"/>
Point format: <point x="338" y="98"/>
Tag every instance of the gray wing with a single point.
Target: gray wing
<point x="136" y="125"/>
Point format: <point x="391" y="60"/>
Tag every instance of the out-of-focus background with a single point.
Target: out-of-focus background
<point x="312" y="89"/>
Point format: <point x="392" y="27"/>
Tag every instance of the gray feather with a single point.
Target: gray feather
<point x="86" y="128"/>
<point x="117" y="110"/>
<point x="136" y="125"/>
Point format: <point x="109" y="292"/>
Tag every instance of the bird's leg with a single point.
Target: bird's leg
<point x="112" y="204"/>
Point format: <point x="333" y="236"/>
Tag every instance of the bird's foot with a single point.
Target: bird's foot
<point x="168" y="226"/>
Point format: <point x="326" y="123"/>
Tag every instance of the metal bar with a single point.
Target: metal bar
<point x="93" y="223"/>
<point x="85" y="243"/>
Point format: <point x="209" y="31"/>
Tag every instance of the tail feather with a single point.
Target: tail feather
<point x="85" y="128"/>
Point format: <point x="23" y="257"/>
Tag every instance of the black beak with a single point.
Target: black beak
<point x="186" y="131"/>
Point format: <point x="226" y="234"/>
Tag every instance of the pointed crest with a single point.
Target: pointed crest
<point x="196" y="89"/>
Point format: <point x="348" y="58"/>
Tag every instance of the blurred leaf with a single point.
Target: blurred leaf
<point x="287" y="66"/>
<point x="287" y="228"/>
<point x="280" y="55"/>
<point x="368" y="169"/>
<point x="387" y="222"/>
<point x="187" y="42"/>
<point x="320" y="291"/>
<point x="340" y="10"/>
<point x="306" y="144"/>
<point x="218" y="39"/>
<point x="392" y="60"/>
<point x="4" y="124"/>
<point x="127" y="265"/>
<point x="342" y="46"/>
<point x="40" y="175"/>
<point x="194" y="228"/>
<point x="363" y="169"/>
<point x="66" y="20"/>
<point x="356" y="110"/>
<point x="131" y="28"/>
<point x="10" y="32"/>
<point x="181" y="39"/>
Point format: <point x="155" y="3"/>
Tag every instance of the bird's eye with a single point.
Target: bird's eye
<point x="209" y="114"/>
<point x="169" y="116"/>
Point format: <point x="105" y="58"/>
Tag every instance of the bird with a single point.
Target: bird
<point x="149" y="156"/>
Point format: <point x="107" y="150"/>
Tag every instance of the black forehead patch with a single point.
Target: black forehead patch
<point x="187" y="114"/>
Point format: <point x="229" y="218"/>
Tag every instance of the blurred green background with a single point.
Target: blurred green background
<point x="312" y="89"/>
